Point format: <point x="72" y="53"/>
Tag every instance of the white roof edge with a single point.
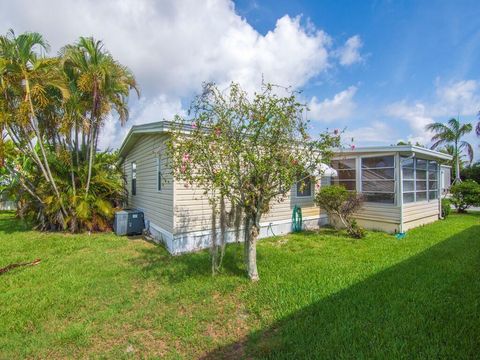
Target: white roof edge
<point x="164" y="126"/>
<point x="149" y="128"/>
<point x="395" y="148"/>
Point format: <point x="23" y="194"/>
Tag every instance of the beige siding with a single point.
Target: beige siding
<point x="417" y="211"/>
<point x="157" y="205"/>
<point x="379" y="212"/>
<point x="419" y="222"/>
<point x="377" y="217"/>
<point x="193" y="212"/>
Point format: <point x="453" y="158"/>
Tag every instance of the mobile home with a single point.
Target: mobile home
<point x="400" y="185"/>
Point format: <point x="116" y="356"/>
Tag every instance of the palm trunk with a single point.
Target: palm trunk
<point x="76" y="144"/>
<point x="457" y="164"/>
<point x="42" y="149"/>
<point x="24" y="185"/>
<point x="91" y="139"/>
<point x="90" y="164"/>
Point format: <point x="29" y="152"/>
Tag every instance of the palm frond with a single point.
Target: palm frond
<point x="468" y="148"/>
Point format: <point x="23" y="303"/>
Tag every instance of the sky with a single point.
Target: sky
<point x="379" y="69"/>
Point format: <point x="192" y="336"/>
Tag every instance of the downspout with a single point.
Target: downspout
<point x="400" y="187"/>
<point x="439" y="191"/>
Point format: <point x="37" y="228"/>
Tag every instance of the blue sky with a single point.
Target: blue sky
<point x="411" y="50"/>
<point x="381" y="69"/>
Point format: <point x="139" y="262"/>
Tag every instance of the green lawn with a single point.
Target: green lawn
<point x="321" y="295"/>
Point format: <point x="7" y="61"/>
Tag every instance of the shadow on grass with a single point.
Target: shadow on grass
<point x="157" y="262"/>
<point x="425" y="307"/>
<point x="10" y="224"/>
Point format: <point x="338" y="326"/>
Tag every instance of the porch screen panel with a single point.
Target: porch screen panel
<point x="420" y="180"/>
<point x="378" y="179"/>
<point x="432" y="180"/>
<point x="346" y="173"/>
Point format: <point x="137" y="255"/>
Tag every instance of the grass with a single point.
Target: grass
<point x="321" y="295"/>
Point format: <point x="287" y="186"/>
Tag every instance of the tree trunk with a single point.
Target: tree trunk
<point x="246" y="239"/>
<point x="91" y="139"/>
<point x="76" y="145"/>
<point x="457" y="165"/>
<point x="90" y="163"/>
<point x="252" y="228"/>
<point x="252" y="254"/>
<point x="33" y="123"/>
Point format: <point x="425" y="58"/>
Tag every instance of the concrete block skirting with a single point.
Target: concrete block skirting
<point x="197" y="240"/>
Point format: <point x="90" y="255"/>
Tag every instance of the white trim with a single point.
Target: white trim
<point x="196" y="240"/>
<point x="165" y="237"/>
<point x="396" y="148"/>
<point x="312" y="190"/>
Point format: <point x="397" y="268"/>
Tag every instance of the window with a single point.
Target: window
<point x="304" y="187"/>
<point x="159" y="174"/>
<point x="420" y="180"/>
<point x="378" y="179"/>
<point x="346" y="173"/>
<point x="134" y="178"/>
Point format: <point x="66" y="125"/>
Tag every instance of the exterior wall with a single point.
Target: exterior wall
<point x="379" y="217"/>
<point x="416" y="214"/>
<point x="445" y="178"/>
<point x="157" y="205"/>
<point x="192" y="217"/>
<point x="180" y="216"/>
<point x="419" y="222"/>
<point x="376" y="217"/>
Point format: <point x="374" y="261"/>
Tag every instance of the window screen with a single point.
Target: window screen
<point x="420" y="180"/>
<point x="346" y="173"/>
<point x="304" y="187"/>
<point x="378" y="179"/>
<point x="134" y="178"/>
<point x="159" y="174"/>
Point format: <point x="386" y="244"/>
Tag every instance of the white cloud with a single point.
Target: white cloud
<point x="173" y="46"/>
<point x="157" y="109"/>
<point x="377" y="132"/>
<point x="416" y="117"/>
<point x="349" y="54"/>
<point x="457" y="98"/>
<point x="341" y="106"/>
<point x="452" y="99"/>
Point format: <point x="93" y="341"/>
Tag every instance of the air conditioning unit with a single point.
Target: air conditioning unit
<point x="129" y="222"/>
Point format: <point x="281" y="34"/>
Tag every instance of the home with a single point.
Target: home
<point x="401" y="186"/>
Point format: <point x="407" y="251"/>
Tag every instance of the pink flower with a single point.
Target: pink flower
<point x="218" y="131"/>
<point x="183" y="169"/>
<point x="185" y="158"/>
<point x="194" y="125"/>
<point x="352" y="146"/>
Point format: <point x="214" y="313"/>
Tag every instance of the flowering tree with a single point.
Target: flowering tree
<point x="247" y="152"/>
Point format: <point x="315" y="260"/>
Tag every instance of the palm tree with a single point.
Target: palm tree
<point x="104" y="83"/>
<point x="27" y="76"/>
<point x="451" y="134"/>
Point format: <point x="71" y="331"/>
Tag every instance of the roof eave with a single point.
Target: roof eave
<point x="396" y="148"/>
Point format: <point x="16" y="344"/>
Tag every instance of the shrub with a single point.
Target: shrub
<point x="446" y="207"/>
<point x="465" y="194"/>
<point x="338" y="201"/>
